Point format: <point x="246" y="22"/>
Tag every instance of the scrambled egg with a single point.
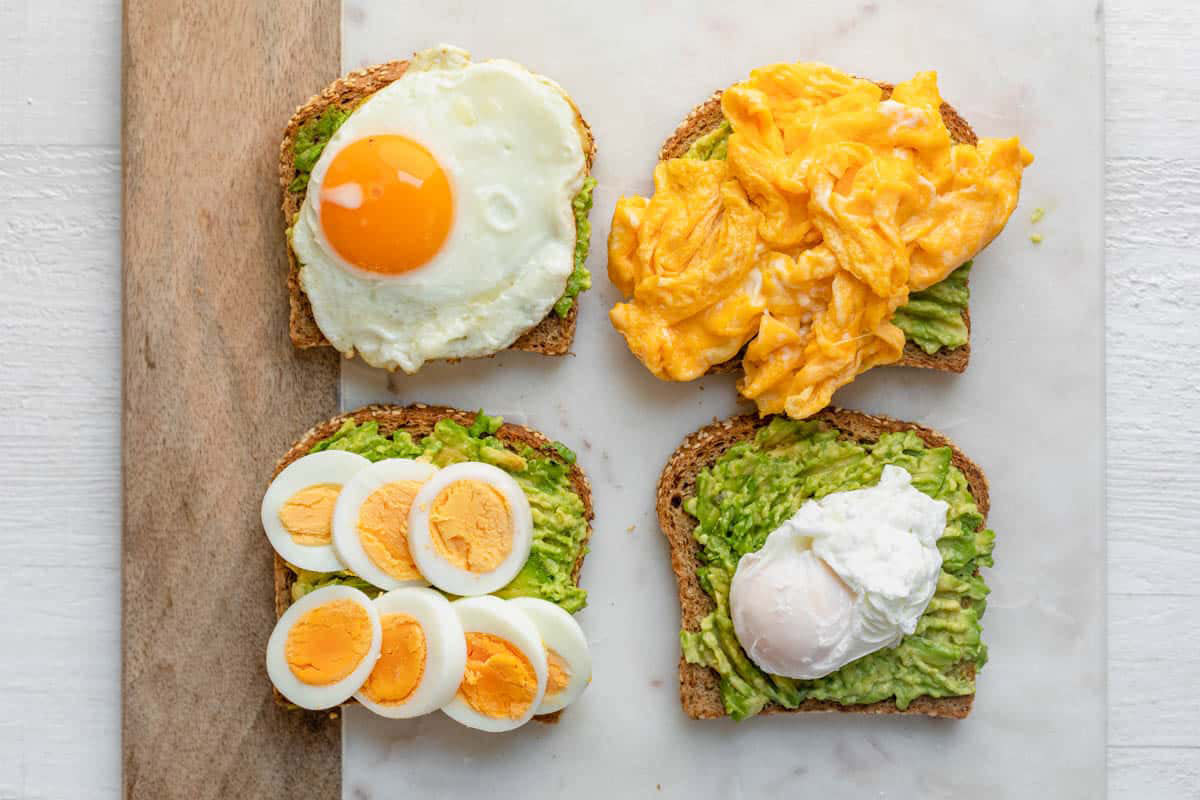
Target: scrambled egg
<point x="831" y="206"/>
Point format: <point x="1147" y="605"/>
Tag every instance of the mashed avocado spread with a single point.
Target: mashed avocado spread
<point x="559" y="527"/>
<point x="756" y="485"/>
<point x="314" y="134"/>
<point x="933" y="318"/>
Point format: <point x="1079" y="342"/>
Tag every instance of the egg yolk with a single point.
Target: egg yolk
<point x="401" y="663"/>
<point x="834" y="202"/>
<point x="308" y="514"/>
<point x="383" y="528"/>
<point x="328" y="642"/>
<point x="386" y="204"/>
<point x="558" y="675"/>
<point x="499" y="681"/>
<point x="470" y="525"/>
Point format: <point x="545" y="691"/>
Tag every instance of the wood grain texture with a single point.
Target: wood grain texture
<point x="213" y="393"/>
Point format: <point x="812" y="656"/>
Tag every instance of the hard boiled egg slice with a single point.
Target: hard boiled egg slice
<point x="297" y="510"/>
<point x="470" y="529"/>
<point x="568" y="660"/>
<point x="422" y="658"/>
<point x="505" y="676"/>
<point x="371" y="522"/>
<point x="324" y="646"/>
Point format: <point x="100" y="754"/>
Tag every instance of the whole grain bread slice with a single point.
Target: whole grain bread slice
<point x="706" y="117"/>
<point x="699" y="690"/>
<point x="418" y="419"/>
<point x="552" y="336"/>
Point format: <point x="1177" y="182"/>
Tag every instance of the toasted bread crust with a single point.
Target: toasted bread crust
<point x="552" y="336"/>
<point x="699" y="691"/>
<point x="704" y="118"/>
<point x="418" y="419"/>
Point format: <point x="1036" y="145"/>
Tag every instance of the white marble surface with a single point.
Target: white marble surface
<point x="59" y="378"/>
<point x="1029" y="410"/>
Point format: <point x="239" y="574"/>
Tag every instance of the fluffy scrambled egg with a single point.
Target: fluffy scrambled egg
<point x="326" y="644"/>
<point x="498" y="681"/>
<point x="470" y="526"/>
<point x="401" y="664"/>
<point x="308" y="514"/>
<point x="383" y="528"/>
<point x="831" y="206"/>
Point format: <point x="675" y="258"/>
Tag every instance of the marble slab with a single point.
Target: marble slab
<point x="1029" y="410"/>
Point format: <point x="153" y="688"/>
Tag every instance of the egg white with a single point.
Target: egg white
<point x="345" y="517"/>
<point x="499" y="618"/>
<point x="318" y="697"/>
<point x="509" y="142"/>
<point x="328" y="466"/>
<point x="561" y="633"/>
<point x="449" y="577"/>
<point x="445" y="651"/>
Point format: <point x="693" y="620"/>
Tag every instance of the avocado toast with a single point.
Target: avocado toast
<point x="733" y="481"/>
<point x="557" y="487"/>
<point x="304" y="139"/>
<point x="936" y="322"/>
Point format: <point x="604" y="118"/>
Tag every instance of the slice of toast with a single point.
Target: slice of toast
<point x="418" y="419"/>
<point x="707" y="116"/>
<point x="552" y="336"/>
<point x="698" y="685"/>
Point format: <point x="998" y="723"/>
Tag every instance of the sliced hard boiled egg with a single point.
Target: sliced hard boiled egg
<point x="422" y="658"/>
<point x="297" y="510"/>
<point x="324" y="646"/>
<point x="470" y="529"/>
<point x="371" y="522"/>
<point x="505" y="675"/>
<point x="568" y="660"/>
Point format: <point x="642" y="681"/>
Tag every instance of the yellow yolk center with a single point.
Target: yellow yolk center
<point x="559" y="674"/>
<point x="386" y="204"/>
<point x="308" y="514"/>
<point x="470" y="525"/>
<point x="499" y="681"/>
<point x="383" y="528"/>
<point x="401" y="663"/>
<point x="832" y="205"/>
<point x="328" y="642"/>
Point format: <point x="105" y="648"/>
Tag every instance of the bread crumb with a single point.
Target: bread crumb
<point x="630" y="528"/>
<point x="333" y="715"/>
<point x="1036" y="238"/>
<point x="1037" y="215"/>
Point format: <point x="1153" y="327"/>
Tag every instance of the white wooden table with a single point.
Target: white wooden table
<point x="60" y="395"/>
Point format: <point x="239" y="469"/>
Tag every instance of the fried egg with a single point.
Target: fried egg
<point x="470" y="529"/>
<point x="505" y="676"/>
<point x="324" y="646"/>
<point x="371" y="522"/>
<point x="438" y="221"/>
<point x="297" y="509"/>
<point x="422" y="655"/>
<point x="568" y="660"/>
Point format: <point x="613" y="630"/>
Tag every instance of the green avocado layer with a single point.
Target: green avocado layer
<point x="756" y="485"/>
<point x="933" y="318"/>
<point x="559" y="526"/>
<point x="314" y="134"/>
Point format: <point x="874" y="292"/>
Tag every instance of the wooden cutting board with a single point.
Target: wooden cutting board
<point x="213" y="392"/>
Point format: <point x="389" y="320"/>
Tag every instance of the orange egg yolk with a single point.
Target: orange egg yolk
<point x="328" y="642"/>
<point x="383" y="528"/>
<point x="498" y="681"/>
<point x="470" y="525"/>
<point x="559" y="674"/>
<point x="308" y="514"/>
<point x="401" y="664"/>
<point x="386" y="204"/>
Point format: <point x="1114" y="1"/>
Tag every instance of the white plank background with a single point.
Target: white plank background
<point x="60" y="395"/>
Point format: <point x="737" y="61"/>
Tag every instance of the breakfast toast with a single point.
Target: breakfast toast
<point x="419" y="420"/>
<point x="706" y="117"/>
<point x="552" y="336"/>
<point x="699" y="685"/>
